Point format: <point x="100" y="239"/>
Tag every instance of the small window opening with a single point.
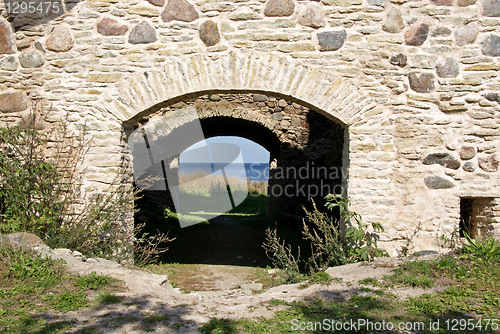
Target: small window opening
<point x="476" y="216"/>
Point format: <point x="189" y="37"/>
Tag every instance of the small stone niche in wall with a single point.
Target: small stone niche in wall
<point x="477" y="216"/>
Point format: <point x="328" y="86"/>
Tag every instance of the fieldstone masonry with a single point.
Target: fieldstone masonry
<point x="413" y="83"/>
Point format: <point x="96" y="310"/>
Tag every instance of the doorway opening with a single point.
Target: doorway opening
<point x="304" y="162"/>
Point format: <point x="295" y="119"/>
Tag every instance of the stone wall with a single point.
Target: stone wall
<point x="414" y="82"/>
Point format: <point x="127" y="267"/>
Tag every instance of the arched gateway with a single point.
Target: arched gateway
<point x="400" y="96"/>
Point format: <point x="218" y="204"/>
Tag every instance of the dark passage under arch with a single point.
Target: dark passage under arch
<point x="306" y="152"/>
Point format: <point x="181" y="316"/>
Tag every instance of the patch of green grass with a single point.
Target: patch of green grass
<point x="276" y="302"/>
<point x="252" y="205"/>
<point x="219" y="326"/>
<point x="104" y="298"/>
<point x="414" y="273"/>
<point x="31" y="284"/>
<point x="418" y="281"/>
<point x="177" y="325"/>
<point x="321" y="278"/>
<point x="70" y="301"/>
<point x="34" y="270"/>
<point x="318" y="278"/>
<point x="93" y="281"/>
<point x="446" y="262"/>
<point x="370" y="281"/>
<point x="155" y="318"/>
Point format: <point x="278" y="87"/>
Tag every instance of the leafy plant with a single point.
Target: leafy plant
<point x="487" y="249"/>
<point x="361" y="245"/>
<point x="330" y="246"/>
<point x="282" y="257"/>
<point x="453" y="241"/>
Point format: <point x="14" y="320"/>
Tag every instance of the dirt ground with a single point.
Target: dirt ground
<point x="187" y="295"/>
<point x="225" y="292"/>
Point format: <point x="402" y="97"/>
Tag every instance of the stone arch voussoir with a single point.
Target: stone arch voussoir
<point x="320" y="88"/>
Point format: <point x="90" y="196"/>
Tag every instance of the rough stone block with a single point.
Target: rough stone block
<point x="7" y="42"/>
<point x="465" y="3"/>
<point x="441" y="31"/>
<point x="179" y="10"/>
<point x="243" y="14"/>
<point x="417" y="34"/>
<point x="443" y="2"/>
<point x="31" y="59"/>
<point x="467" y="152"/>
<point x="377" y="2"/>
<point x="488" y="163"/>
<point x="142" y="33"/>
<point x="448" y="68"/>
<point x="60" y="39"/>
<point x="421" y="83"/>
<point x="276" y="8"/>
<point x="491" y="46"/>
<point x="158" y="3"/>
<point x="438" y="182"/>
<point x="8" y="63"/>
<point x="259" y="98"/>
<point x="331" y="40"/>
<point x="209" y="33"/>
<point x="491" y="8"/>
<point x="399" y="60"/>
<point x="111" y="27"/>
<point x="469" y="166"/>
<point x="394" y="21"/>
<point x="494" y="97"/>
<point x="312" y="15"/>
<point x="13" y="101"/>
<point x="443" y="159"/>
<point x="466" y="34"/>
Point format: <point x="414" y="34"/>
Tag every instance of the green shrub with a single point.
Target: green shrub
<point x="282" y="257"/>
<point x="39" y="189"/>
<point x="32" y="190"/>
<point x="361" y="245"/>
<point x="330" y="245"/>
